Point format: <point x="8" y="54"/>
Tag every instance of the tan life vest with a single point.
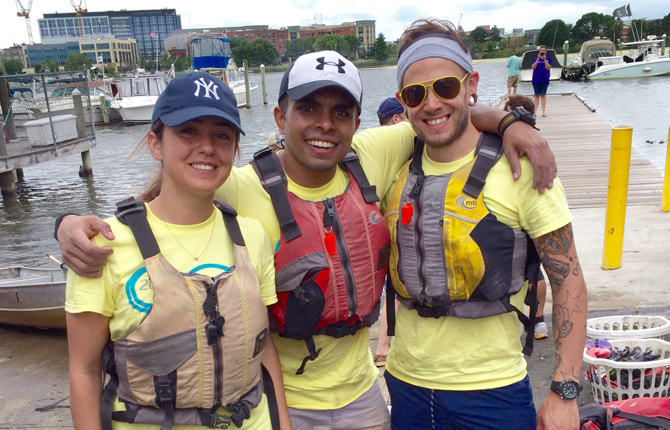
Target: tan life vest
<point x="200" y="345"/>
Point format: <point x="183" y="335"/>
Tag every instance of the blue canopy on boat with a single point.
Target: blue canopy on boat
<point x="210" y="52"/>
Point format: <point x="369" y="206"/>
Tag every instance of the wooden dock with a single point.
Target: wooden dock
<point x="580" y="140"/>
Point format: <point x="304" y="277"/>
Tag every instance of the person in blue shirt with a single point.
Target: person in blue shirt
<point x="541" y="72"/>
<point x="513" y="65"/>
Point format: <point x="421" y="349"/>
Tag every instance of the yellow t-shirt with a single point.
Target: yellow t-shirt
<point x="344" y="369"/>
<point x="476" y="354"/>
<point x="124" y="293"/>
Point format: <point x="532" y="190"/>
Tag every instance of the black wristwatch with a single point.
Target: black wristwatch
<point x="518" y="114"/>
<point x="568" y="390"/>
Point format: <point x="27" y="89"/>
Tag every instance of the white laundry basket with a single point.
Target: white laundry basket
<point x="628" y="327"/>
<point x="649" y="378"/>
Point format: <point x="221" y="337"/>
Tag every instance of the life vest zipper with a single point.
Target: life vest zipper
<point x="214" y="333"/>
<point x="415" y="195"/>
<point x="332" y="220"/>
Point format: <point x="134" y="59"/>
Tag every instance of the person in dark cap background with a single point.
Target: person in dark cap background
<point x="390" y="112"/>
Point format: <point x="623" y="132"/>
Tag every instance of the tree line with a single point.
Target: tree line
<point x="484" y="42"/>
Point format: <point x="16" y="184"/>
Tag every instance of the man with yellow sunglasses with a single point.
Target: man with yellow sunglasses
<point x="464" y="237"/>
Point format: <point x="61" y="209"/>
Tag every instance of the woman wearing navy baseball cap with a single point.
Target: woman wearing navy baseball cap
<point x="179" y="314"/>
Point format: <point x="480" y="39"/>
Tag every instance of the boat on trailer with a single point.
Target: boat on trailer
<point x="33" y="297"/>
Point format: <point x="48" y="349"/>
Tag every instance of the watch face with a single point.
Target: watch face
<point x="570" y="390"/>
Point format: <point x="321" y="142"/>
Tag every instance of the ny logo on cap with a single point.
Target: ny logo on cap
<point x="209" y="88"/>
<point x="322" y="63"/>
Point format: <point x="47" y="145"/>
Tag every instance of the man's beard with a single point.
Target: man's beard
<point x="461" y="118"/>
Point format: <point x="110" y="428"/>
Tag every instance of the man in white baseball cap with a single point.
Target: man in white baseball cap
<point x="318" y="202"/>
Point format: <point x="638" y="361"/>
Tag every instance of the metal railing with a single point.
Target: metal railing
<point x="42" y="113"/>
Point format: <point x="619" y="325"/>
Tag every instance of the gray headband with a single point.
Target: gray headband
<point x="432" y="47"/>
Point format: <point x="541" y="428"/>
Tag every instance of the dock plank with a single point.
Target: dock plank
<point x="581" y="140"/>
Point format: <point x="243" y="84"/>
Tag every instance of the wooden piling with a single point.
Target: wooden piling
<point x="6" y="104"/>
<point x="566" y="46"/>
<point x="103" y="109"/>
<point x="79" y="113"/>
<point x="8" y="183"/>
<point x="265" y="93"/>
<point x="19" y="174"/>
<point x="87" y="168"/>
<point x="246" y="83"/>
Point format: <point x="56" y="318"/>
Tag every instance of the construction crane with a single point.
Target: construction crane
<point x="81" y="8"/>
<point x="25" y="12"/>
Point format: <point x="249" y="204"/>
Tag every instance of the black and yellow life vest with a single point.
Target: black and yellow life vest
<point x="450" y="256"/>
<point x="198" y="348"/>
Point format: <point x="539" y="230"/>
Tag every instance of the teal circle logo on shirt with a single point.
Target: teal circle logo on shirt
<point x="139" y="281"/>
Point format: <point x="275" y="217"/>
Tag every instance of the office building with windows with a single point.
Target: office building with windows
<point x="122" y="52"/>
<point x="365" y="30"/>
<point x="148" y="27"/>
<point x="16" y="52"/>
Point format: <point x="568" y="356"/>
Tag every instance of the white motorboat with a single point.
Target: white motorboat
<point x="235" y="80"/>
<point x="592" y="51"/>
<point x="644" y="59"/>
<point x="526" y="72"/>
<point x="138" y="96"/>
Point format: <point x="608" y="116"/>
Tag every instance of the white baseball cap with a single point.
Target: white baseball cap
<point x="316" y="70"/>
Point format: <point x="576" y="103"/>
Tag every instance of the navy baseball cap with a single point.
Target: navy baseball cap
<point x="389" y="107"/>
<point x="194" y="95"/>
<point x="317" y="70"/>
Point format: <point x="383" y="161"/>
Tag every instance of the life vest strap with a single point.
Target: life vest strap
<point x="342" y="328"/>
<point x="166" y="397"/>
<point x="313" y="354"/>
<point x="390" y="306"/>
<point x="352" y="163"/>
<point x="109" y="393"/>
<point x="269" y="390"/>
<point x="230" y="219"/>
<point x="533" y="276"/>
<point x="415" y="165"/>
<point x="133" y="213"/>
<point x="489" y="149"/>
<point x="269" y="170"/>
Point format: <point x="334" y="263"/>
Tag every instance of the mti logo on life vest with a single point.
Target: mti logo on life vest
<point x="374" y="218"/>
<point x="466" y="202"/>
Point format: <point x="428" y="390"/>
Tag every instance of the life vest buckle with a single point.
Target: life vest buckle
<point x="217" y="421"/>
<point x="240" y="412"/>
<point x="164" y="393"/>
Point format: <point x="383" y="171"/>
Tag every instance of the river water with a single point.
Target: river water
<point x="50" y="189"/>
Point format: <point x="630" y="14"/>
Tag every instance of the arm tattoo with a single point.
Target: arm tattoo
<point x="571" y="375"/>
<point x="554" y="252"/>
<point x="560" y="319"/>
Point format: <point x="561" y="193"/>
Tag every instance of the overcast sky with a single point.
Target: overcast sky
<point x="392" y="16"/>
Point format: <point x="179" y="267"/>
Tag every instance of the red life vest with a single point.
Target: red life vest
<point x="332" y="256"/>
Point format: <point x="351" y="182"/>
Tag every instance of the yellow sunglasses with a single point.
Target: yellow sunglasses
<point x="446" y="88"/>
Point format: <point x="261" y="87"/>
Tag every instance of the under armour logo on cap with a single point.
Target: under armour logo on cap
<point x="322" y="63"/>
<point x="331" y="70"/>
<point x="209" y="88"/>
